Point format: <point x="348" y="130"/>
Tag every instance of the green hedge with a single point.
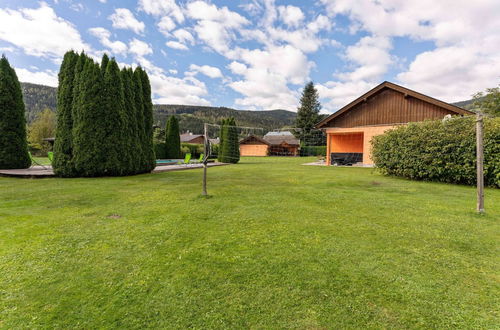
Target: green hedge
<point x="439" y="151"/>
<point x="313" y="151"/>
<point x="194" y="149"/>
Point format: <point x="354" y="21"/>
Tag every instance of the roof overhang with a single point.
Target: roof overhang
<point x="407" y="93"/>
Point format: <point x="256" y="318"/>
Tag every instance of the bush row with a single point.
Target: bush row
<point x="443" y="151"/>
<point x="313" y="150"/>
<point x="194" y="149"/>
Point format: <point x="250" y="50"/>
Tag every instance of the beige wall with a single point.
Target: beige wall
<point x="253" y="149"/>
<point x="368" y="133"/>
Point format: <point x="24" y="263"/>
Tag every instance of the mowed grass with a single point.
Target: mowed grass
<point x="277" y="245"/>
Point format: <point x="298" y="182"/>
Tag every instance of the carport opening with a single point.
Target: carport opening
<point x="346" y="148"/>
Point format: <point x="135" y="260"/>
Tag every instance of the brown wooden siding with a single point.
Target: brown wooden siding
<point x="389" y="107"/>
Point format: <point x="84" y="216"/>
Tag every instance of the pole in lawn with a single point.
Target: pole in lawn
<point x="479" y="162"/>
<point x="205" y="160"/>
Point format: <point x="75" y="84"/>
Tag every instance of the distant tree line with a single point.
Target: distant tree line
<point x="104" y="119"/>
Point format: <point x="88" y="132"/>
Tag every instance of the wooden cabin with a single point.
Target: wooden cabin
<point x="272" y="144"/>
<point x="254" y="146"/>
<point x="350" y="129"/>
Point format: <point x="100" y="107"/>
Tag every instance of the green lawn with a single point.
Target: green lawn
<point x="278" y="245"/>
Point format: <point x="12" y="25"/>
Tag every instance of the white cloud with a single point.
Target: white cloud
<point x="466" y="58"/>
<point x="176" y="45"/>
<point x="291" y="15"/>
<point x="123" y="18"/>
<point x="47" y="77"/>
<point x="216" y="26"/>
<point x="139" y="48"/>
<point x="166" y="25"/>
<point x="162" y="8"/>
<point x="207" y="70"/>
<point x="184" y="36"/>
<point x="116" y="47"/>
<point x="39" y="32"/>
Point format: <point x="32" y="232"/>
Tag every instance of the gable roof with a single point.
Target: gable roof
<point x="398" y="88"/>
<point x="275" y="138"/>
<point x="189" y="137"/>
<point x="250" y="137"/>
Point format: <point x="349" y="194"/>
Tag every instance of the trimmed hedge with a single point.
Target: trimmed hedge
<point x="313" y="150"/>
<point x="194" y="149"/>
<point x="439" y="151"/>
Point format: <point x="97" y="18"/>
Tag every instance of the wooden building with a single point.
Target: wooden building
<point x="192" y="138"/>
<point x="272" y="144"/>
<point x="254" y="146"/>
<point x="350" y="129"/>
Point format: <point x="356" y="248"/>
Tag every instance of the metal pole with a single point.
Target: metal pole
<point x="205" y="161"/>
<point x="479" y="162"/>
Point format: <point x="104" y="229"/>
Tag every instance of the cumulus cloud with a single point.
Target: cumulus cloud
<point x="466" y="57"/>
<point x="176" y="45"/>
<point x="39" y="32"/>
<point x="291" y="15"/>
<point x="47" y="77"/>
<point x="139" y="48"/>
<point x="162" y="8"/>
<point x="123" y="18"/>
<point x="165" y="25"/>
<point x="116" y="47"/>
<point x="207" y="70"/>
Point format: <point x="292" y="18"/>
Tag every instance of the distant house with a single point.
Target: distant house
<point x="192" y="138"/>
<point x="254" y="146"/>
<point x="272" y="144"/>
<point x="350" y="129"/>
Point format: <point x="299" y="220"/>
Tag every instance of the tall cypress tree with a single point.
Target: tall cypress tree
<point x="115" y="147"/>
<point x="222" y="139"/>
<point x="235" y="145"/>
<point x="308" y="111"/>
<point x="149" y="154"/>
<point x="172" y="138"/>
<point x="89" y="136"/>
<point x="229" y="151"/>
<point x="13" y="144"/>
<point x="139" y="115"/>
<point x="63" y="146"/>
<point x="132" y="135"/>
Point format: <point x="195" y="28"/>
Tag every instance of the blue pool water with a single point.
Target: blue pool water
<point x="166" y="161"/>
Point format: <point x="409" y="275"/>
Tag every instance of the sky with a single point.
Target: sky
<point x="259" y="54"/>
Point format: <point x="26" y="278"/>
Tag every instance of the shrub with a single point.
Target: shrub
<point x="439" y="151"/>
<point x="160" y="150"/>
<point x="194" y="149"/>
<point x="313" y="150"/>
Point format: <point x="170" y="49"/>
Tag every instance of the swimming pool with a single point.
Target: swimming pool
<point x="167" y="161"/>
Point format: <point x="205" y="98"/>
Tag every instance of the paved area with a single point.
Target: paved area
<point x="46" y="171"/>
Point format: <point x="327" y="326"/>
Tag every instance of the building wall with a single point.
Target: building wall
<point x="253" y="149"/>
<point x="348" y="142"/>
<point x="367" y="132"/>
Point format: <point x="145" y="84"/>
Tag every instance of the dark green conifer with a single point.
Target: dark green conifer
<point x="89" y="135"/>
<point x="117" y="159"/>
<point x="63" y="145"/>
<point x="139" y="109"/>
<point x="148" y="149"/>
<point x="131" y="134"/>
<point x="172" y="138"/>
<point x="13" y="143"/>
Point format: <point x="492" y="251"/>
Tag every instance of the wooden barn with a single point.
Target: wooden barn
<point x="254" y="146"/>
<point x="350" y="129"/>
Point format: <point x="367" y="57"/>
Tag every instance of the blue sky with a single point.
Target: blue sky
<point x="258" y="54"/>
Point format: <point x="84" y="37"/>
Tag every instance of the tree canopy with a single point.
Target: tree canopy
<point x="308" y="111"/>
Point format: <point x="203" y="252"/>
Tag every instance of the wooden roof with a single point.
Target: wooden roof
<point x="405" y="91"/>
<point x="254" y="137"/>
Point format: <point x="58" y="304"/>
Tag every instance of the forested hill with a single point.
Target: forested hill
<point x="192" y="118"/>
